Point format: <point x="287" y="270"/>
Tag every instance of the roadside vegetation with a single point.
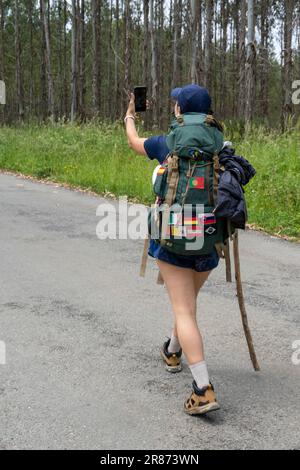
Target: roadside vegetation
<point x="96" y="157"/>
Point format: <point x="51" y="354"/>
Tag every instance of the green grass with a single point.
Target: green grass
<point x="97" y="157"/>
<point x="273" y="195"/>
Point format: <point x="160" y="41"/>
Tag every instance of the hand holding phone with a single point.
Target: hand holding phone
<point x="140" y="98"/>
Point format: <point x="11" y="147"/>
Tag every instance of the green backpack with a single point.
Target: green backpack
<point x="182" y="219"/>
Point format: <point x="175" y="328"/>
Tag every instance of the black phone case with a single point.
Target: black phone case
<point x="140" y="98"/>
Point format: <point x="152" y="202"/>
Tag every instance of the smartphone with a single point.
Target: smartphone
<point x="140" y="96"/>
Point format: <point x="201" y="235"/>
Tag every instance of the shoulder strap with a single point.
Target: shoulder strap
<point x="172" y="179"/>
<point x="216" y="177"/>
<point x="172" y="182"/>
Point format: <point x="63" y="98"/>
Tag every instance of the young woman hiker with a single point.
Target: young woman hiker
<point x="183" y="275"/>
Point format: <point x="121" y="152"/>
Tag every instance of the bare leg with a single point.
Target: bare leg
<point x="182" y="290"/>
<point x="199" y="280"/>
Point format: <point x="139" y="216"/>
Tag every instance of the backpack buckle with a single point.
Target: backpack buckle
<point x="196" y="155"/>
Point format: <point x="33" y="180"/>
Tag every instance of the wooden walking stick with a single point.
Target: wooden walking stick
<point x="160" y="279"/>
<point x="240" y="297"/>
<point x="144" y="257"/>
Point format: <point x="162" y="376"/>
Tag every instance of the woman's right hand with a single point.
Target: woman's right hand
<point x="131" y="106"/>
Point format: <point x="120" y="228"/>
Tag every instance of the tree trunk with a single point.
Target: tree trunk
<point x="250" y="68"/>
<point x="223" y="62"/>
<point x="242" y="60"/>
<point x="264" y="57"/>
<point x="153" y="66"/>
<point x="2" y="68"/>
<point x="96" y="81"/>
<point x="209" y="9"/>
<point x="43" y="95"/>
<point x="1" y="40"/>
<point x="74" y="64"/>
<point x="200" y="46"/>
<point x="19" y="77"/>
<point x="161" y="104"/>
<point x="108" y="101"/>
<point x="51" y="110"/>
<point x="145" y="49"/>
<point x="60" y="59"/>
<point x="176" y="75"/>
<point x="81" y="53"/>
<point x="287" y="62"/>
<point x="195" y="6"/>
<point x="118" y="101"/>
<point x="31" y="78"/>
<point x="127" y="52"/>
<point x="65" y="68"/>
<point x="232" y="105"/>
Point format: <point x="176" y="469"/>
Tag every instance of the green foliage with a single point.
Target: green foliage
<point x="96" y="156"/>
<point x="273" y="196"/>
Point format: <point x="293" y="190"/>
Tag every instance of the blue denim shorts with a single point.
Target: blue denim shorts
<point x="199" y="263"/>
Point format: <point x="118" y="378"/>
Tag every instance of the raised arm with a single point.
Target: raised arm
<point x="134" y="141"/>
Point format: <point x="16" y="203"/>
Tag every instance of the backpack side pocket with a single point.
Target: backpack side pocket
<point x="160" y="183"/>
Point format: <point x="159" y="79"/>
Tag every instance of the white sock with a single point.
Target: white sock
<point x="174" y="345"/>
<point x="200" y="374"/>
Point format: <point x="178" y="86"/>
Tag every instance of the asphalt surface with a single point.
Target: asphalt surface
<point x="82" y="332"/>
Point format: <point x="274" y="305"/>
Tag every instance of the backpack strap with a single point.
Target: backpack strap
<point x="144" y="257"/>
<point x="207" y="175"/>
<point x="160" y="279"/>
<point x="172" y="181"/>
<point x="212" y="121"/>
<point x="216" y="177"/>
<point x="219" y="247"/>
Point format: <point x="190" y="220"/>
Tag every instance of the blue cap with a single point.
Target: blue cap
<point x="192" y="99"/>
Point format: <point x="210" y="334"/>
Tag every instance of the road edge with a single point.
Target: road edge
<point x="108" y="195"/>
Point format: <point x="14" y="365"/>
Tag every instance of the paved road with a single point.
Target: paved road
<point x="82" y="334"/>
